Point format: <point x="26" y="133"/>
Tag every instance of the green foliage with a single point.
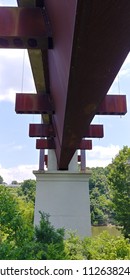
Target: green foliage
<point x="119" y="180"/>
<point x="14" y="182"/>
<point x="73" y="247"/>
<point x="19" y="240"/>
<point x="99" y="197"/>
<point x="28" y="190"/>
<point x="106" y="247"/>
<point x="49" y="239"/>
<point x="101" y="247"/>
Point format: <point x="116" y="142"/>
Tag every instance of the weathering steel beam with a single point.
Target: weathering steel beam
<point x="113" y="105"/>
<point x="91" y="42"/>
<point x="41" y="130"/>
<point x="33" y="104"/>
<point x="94" y="131"/>
<point x="50" y="144"/>
<point x="47" y="130"/>
<point x="23" y="28"/>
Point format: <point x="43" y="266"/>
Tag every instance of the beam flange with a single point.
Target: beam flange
<point x="45" y="144"/>
<point x="113" y="105"/>
<point x="41" y="130"/>
<point x="33" y="104"/>
<point x="94" y="131"/>
<point x="23" y="28"/>
<point x="85" y="145"/>
<point x="50" y="144"/>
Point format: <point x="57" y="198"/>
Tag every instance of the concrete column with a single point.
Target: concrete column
<point x="73" y="165"/>
<point x="65" y="196"/>
<point x="52" y="161"/>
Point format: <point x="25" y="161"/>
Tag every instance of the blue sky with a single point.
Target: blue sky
<point x="18" y="156"/>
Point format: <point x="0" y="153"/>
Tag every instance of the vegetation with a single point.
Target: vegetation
<point x="110" y="193"/>
<point x="28" y="190"/>
<point x="110" y="204"/>
<point x="101" y="213"/>
<point x="19" y="240"/>
<point x="119" y="181"/>
<point x="101" y="247"/>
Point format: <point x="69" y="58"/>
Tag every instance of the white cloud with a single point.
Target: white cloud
<point x="101" y="156"/>
<point x="15" y="74"/>
<point x="18" y="173"/>
<point x="8" y="95"/>
<point x="11" y="54"/>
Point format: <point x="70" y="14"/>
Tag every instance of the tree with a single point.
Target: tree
<point x="119" y="180"/>
<point x="99" y="197"/>
<point x="14" y="182"/>
<point x="106" y="247"/>
<point x="20" y="240"/>
<point x="28" y="189"/>
<point x="1" y="180"/>
<point x="49" y="240"/>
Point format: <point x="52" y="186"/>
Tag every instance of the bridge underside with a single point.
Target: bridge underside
<point x="90" y="44"/>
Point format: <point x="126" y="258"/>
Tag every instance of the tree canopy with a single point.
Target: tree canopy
<point x="119" y="181"/>
<point x="28" y="189"/>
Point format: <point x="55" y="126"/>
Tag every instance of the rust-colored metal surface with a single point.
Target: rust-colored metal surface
<point x="91" y="41"/>
<point x="33" y="104"/>
<point x="50" y="144"/>
<point x="113" y="105"/>
<point x="41" y="130"/>
<point x="47" y="130"/>
<point x="85" y="145"/>
<point x="45" y="144"/>
<point x="94" y="131"/>
<point x="23" y="28"/>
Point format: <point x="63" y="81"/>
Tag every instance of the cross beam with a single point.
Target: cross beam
<point x="47" y="130"/>
<point x="41" y="130"/>
<point x="33" y="104"/>
<point x="23" y="28"/>
<point x="50" y="144"/>
<point x="113" y="105"/>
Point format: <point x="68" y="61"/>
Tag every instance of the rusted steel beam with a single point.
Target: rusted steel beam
<point x="33" y="104"/>
<point x="50" y="144"/>
<point x="23" y="28"/>
<point x="113" y="105"/>
<point x="94" y="131"/>
<point x="47" y="130"/>
<point x="85" y="145"/>
<point x="41" y="130"/>
<point x="91" y="44"/>
<point x="45" y="144"/>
